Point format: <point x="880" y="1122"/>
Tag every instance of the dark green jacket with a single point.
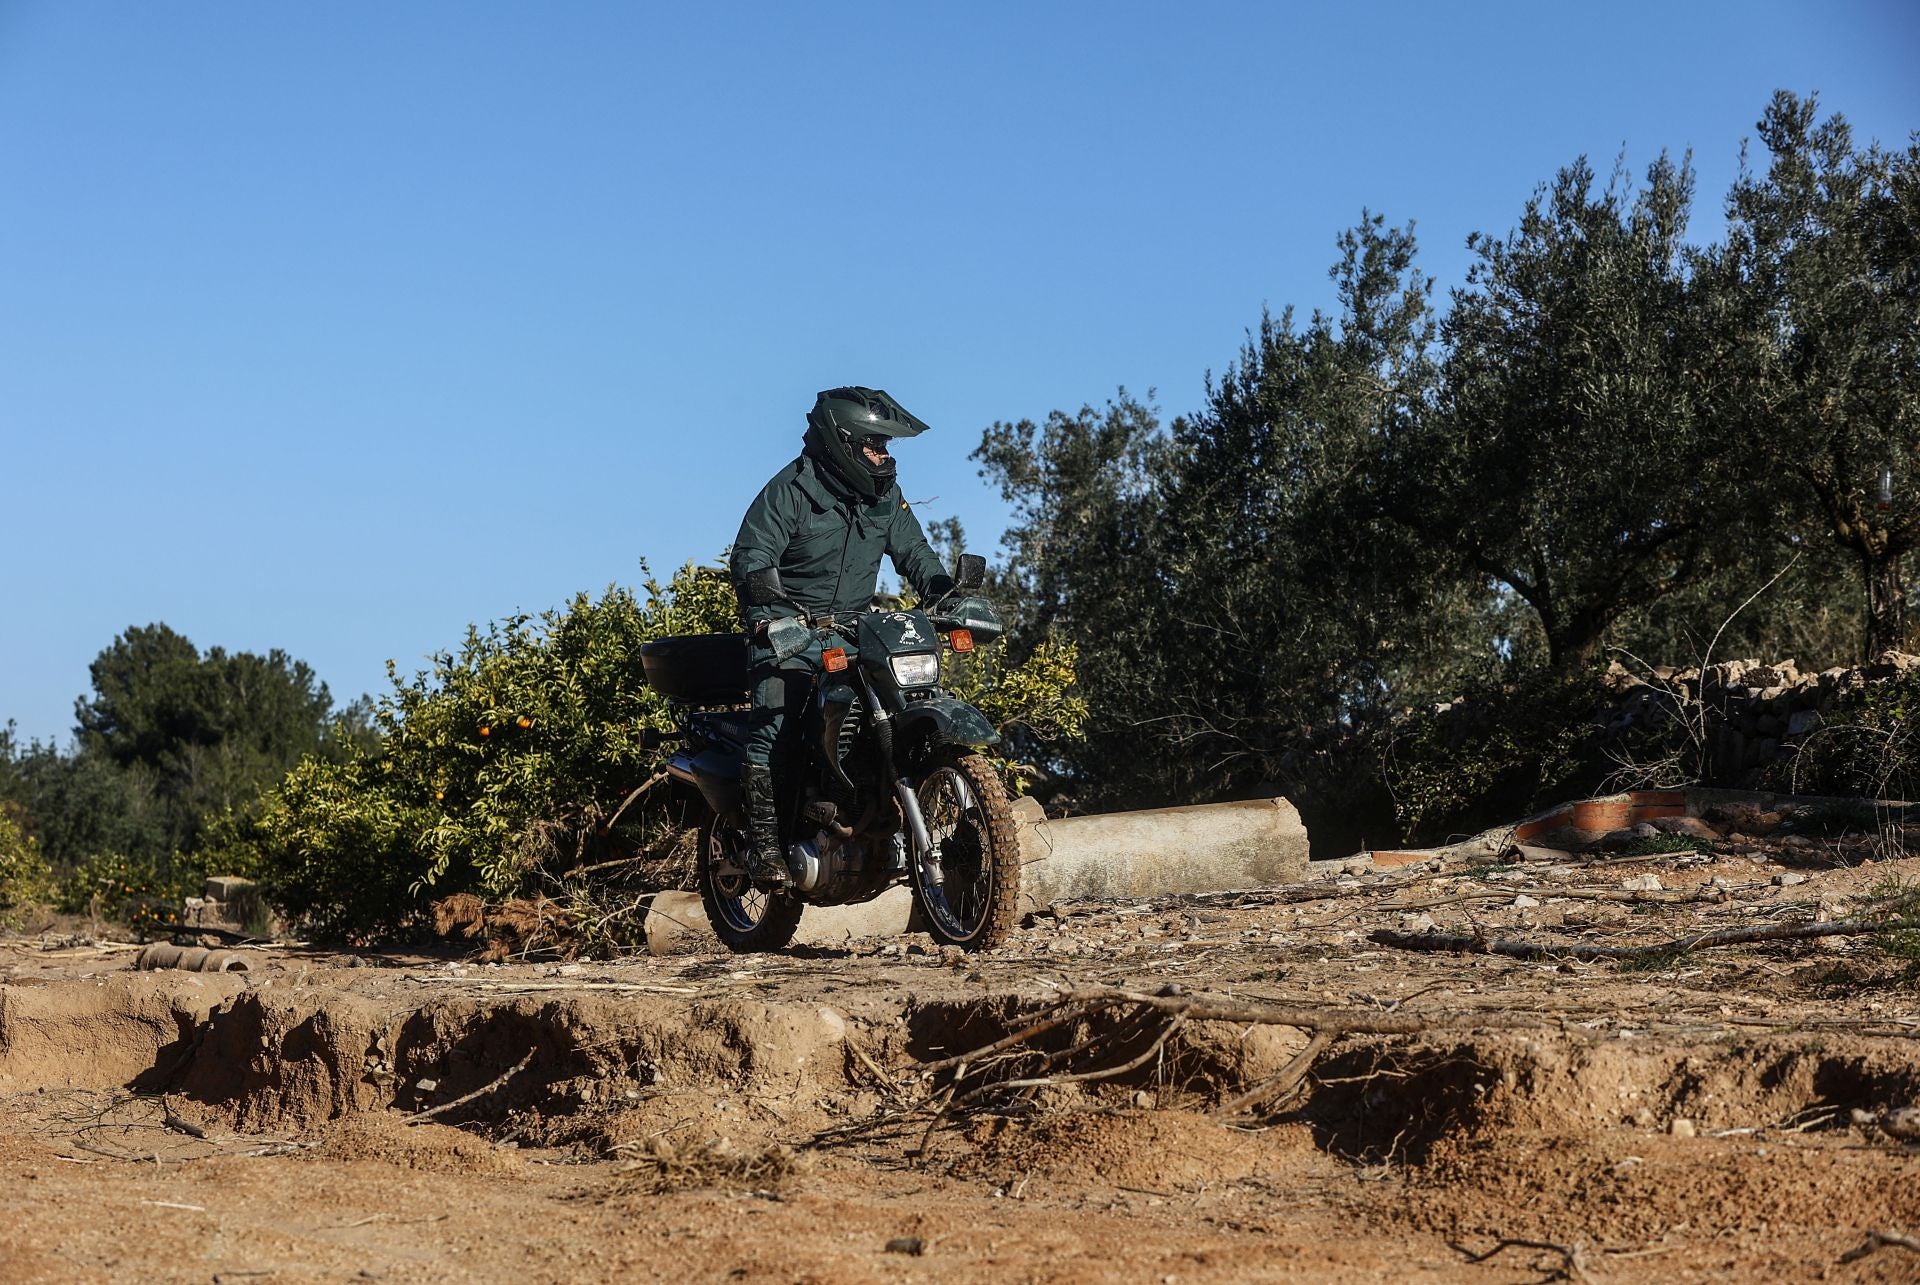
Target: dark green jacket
<point x="827" y="543"/>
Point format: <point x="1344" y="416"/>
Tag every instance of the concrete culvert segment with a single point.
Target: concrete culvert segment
<point x="190" y="959"/>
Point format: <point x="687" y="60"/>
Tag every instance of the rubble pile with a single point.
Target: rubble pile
<point x="1744" y="712"/>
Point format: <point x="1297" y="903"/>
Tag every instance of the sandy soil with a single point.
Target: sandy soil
<point x="1724" y="1115"/>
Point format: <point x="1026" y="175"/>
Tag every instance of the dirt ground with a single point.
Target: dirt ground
<point x="1725" y="1114"/>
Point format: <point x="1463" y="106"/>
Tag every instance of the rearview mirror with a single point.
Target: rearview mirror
<point x="788" y="636"/>
<point x="763" y="588"/>
<point x="970" y="572"/>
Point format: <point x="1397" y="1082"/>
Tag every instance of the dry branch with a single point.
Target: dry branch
<point x="1877" y="1240"/>
<point x="1334" y="1021"/>
<point x="1477" y="945"/>
<point x="1277" y="1088"/>
<point x="1572" y="1257"/>
<point x="1705" y="893"/>
<point x="482" y="1091"/>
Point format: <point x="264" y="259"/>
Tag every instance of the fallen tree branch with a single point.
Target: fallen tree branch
<point x="1277" y="1088"/>
<point x="1877" y="1240"/>
<point x="1573" y="1257"/>
<point x="1072" y="1012"/>
<point x="1703" y="893"/>
<point x="422" y="1116"/>
<point x="626" y="803"/>
<point x="1334" y="1021"/>
<point x="1657" y="950"/>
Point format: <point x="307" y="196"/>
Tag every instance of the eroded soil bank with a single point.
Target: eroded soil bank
<point x="1730" y="1114"/>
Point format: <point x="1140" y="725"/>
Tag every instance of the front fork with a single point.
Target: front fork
<point x="921" y="847"/>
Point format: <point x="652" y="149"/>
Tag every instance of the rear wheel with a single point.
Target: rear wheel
<point x="744" y="918"/>
<point x="968" y="886"/>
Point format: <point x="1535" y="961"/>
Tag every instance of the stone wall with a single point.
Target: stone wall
<point x="1747" y="712"/>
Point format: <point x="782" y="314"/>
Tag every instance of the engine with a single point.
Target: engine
<point x="845" y="870"/>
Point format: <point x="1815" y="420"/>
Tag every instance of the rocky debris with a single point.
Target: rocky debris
<point x="1902" y="1123"/>
<point x="1747" y="711"/>
<point x="228" y="904"/>
<point x="1691" y="827"/>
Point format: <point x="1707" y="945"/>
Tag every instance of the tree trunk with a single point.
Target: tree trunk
<point x="1574" y="649"/>
<point x="1886" y="603"/>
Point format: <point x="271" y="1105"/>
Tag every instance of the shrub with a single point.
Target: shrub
<point x="24" y="876"/>
<point x="509" y="768"/>
<point x="340" y="851"/>
<point x="140" y="892"/>
<point x="1502" y="750"/>
<point x="1870" y="745"/>
<point x="1035" y="705"/>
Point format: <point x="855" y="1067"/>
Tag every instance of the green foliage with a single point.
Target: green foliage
<point x="1229" y="582"/>
<point x="1841" y="816"/>
<point x="1573" y="455"/>
<point x="1660" y="844"/>
<point x="143" y="894"/>
<point x="1801" y="610"/>
<point x="1895" y="901"/>
<point x="504" y="766"/>
<point x="339" y="852"/>
<point x="24" y="875"/>
<point x="81" y="804"/>
<point x="174" y="749"/>
<point x="1869" y="745"/>
<point x="1623" y="437"/>
<point x="500" y="766"/>
<point x="1821" y="337"/>
<point x="1502" y="751"/>
<point x="199" y="733"/>
<point x="524" y="743"/>
<point x="1036" y="705"/>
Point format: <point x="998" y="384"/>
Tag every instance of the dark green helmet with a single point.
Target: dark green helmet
<point x="841" y="419"/>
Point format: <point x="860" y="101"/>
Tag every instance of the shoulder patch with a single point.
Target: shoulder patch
<point x="903" y="504"/>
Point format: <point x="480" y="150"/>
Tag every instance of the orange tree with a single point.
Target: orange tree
<point x="499" y="768"/>
<point x="512" y="765"/>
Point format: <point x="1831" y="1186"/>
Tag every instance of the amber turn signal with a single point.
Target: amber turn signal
<point x="960" y="639"/>
<point x="834" y="659"/>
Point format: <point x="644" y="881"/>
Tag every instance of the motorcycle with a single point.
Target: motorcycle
<point x="892" y="787"/>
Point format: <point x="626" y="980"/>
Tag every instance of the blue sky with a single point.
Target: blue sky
<point x="335" y="327"/>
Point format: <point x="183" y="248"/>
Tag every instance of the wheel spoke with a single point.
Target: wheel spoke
<point x="958" y="825"/>
<point x="741" y="904"/>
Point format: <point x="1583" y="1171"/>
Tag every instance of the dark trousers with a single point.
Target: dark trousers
<point x="779" y="707"/>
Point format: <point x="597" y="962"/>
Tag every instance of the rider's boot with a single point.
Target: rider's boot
<point x="766" y="864"/>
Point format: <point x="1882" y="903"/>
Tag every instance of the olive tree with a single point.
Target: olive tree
<point x="1824" y="251"/>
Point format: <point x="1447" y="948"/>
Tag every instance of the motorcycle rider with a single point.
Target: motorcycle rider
<point x="823" y="522"/>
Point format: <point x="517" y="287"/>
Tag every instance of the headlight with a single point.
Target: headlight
<point x="916" y="671"/>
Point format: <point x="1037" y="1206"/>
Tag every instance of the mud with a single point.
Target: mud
<point x="711" y="1117"/>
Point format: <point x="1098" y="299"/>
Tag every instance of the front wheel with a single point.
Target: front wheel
<point x="744" y="918"/>
<point x="968" y="885"/>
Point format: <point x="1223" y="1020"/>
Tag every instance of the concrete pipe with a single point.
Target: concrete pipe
<point x="191" y="959"/>
<point x="1207" y="847"/>
<point x="676" y="922"/>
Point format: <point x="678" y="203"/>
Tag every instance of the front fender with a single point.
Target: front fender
<point x="941" y="720"/>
